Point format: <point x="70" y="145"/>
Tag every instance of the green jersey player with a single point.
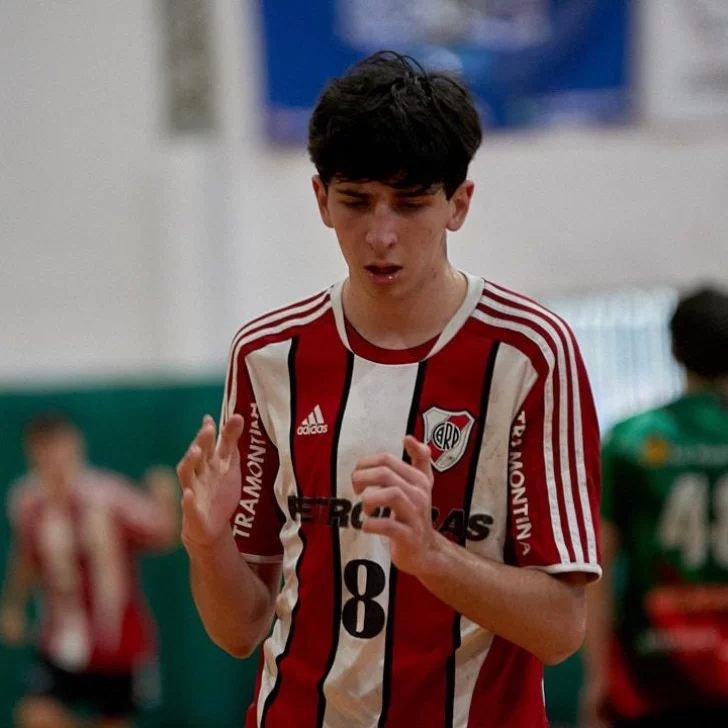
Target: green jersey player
<point x="660" y="651"/>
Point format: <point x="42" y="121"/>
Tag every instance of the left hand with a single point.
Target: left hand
<point x="385" y="481"/>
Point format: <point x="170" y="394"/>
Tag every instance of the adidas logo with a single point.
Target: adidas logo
<point x="313" y="424"/>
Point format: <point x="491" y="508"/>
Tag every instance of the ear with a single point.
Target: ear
<point x="460" y="205"/>
<point x="322" y="199"/>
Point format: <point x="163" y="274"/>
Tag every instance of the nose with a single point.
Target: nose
<point x="382" y="232"/>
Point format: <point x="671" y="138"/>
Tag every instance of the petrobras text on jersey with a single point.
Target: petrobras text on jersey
<point x="343" y="513"/>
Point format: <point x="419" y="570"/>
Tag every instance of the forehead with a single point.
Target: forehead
<point x="61" y="437"/>
<point x="381" y="189"/>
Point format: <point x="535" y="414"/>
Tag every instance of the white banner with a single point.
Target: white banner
<point x="684" y="52"/>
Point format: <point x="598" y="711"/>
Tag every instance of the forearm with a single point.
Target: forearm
<point x="234" y="604"/>
<point x="530" y="608"/>
<point x="599" y="629"/>
<point x="600" y="600"/>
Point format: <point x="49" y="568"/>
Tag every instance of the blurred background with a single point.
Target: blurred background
<point x="155" y="194"/>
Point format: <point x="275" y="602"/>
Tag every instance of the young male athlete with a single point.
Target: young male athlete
<point x="663" y="658"/>
<point x="414" y="450"/>
<point x="77" y="532"/>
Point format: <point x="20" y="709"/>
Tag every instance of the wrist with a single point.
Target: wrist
<point x="206" y="551"/>
<point x="434" y="561"/>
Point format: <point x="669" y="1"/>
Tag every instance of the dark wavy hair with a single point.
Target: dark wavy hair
<point x="389" y="120"/>
<point x="699" y="329"/>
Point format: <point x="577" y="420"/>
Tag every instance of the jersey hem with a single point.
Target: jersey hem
<point x="583" y="567"/>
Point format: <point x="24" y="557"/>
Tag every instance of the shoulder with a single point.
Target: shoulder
<point x="280" y="325"/>
<point x="106" y="487"/>
<point x="523" y="324"/>
<point x="642" y="436"/>
<point x="25" y="496"/>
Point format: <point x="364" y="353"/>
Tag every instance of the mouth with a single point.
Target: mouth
<point x="383" y="273"/>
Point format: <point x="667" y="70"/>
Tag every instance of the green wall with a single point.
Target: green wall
<point x="127" y="429"/>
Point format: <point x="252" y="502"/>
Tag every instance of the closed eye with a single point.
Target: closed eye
<point x="355" y="202"/>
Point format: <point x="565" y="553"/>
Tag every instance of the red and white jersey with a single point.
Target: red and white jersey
<point x="502" y="399"/>
<point x="94" y="616"/>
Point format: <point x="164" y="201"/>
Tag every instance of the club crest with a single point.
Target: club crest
<point x="447" y="435"/>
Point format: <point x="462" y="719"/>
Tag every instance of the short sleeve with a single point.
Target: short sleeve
<point x="257" y="520"/>
<point x="554" y="471"/>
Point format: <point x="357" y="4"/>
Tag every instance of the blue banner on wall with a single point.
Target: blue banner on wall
<point x="529" y="62"/>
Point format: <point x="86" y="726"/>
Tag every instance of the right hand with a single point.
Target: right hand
<point x="591" y="705"/>
<point x="210" y="478"/>
<point x="12" y="626"/>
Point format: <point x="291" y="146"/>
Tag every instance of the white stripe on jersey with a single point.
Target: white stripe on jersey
<point x="244" y="340"/>
<point x="381" y="395"/>
<point x="285" y="485"/>
<point x="563" y="403"/>
<point x="551" y="485"/>
<point x="576" y="402"/>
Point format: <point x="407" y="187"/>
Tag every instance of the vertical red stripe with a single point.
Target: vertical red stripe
<point x="508" y="691"/>
<point x="423" y="628"/>
<point x="320" y="370"/>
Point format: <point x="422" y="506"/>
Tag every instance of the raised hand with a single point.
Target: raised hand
<point x="209" y="474"/>
<point x="388" y="482"/>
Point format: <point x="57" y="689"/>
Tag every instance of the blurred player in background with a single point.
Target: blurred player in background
<point x="414" y="449"/>
<point x="77" y="531"/>
<point x="659" y="655"/>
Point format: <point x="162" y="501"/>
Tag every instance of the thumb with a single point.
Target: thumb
<point x="420" y="455"/>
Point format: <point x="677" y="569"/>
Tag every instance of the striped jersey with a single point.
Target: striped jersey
<point x="502" y="399"/>
<point x="83" y="551"/>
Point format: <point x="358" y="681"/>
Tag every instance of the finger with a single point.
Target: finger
<point x="393" y="498"/>
<point x="397" y="465"/>
<point x="206" y="437"/>
<point x="188" y="465"/>
<point x="420" y="455"/>
<point x="387" y="527"/>
<point x="229" y="436"/>
<point x="384" y="477"/>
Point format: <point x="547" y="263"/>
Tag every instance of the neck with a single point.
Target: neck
<point x="696" y="384"/>
<point x="58" y="488"/>
<point x="413" y="319"/>
<point x="56" y="492"/>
